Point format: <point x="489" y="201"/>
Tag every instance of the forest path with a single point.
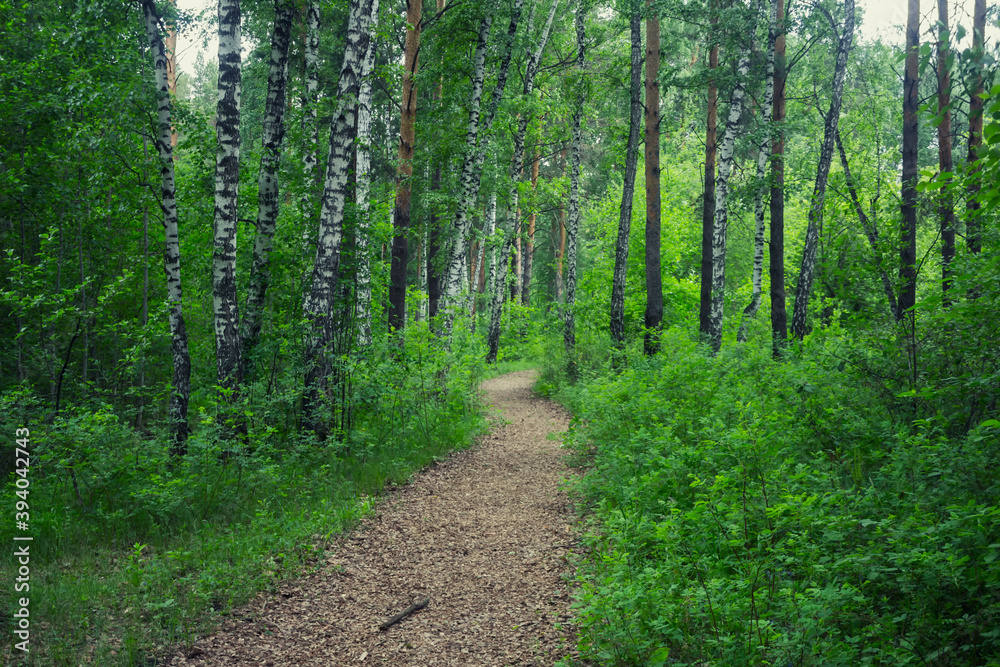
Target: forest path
<point x="483" y="534"/>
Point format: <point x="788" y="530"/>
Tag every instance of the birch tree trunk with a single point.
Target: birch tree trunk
<point x="946" y="209"/>
<point x="973" y="236"/>
<point x="529" y="249"/>
<point x="517" y="163"/>
<point x="908" y="207"/>
<point x="807" y="273"/>
<point x="654" y="281"/>
<point x="310" y="121"/>
<point x="363" y="177"/>
<point x="721" y="224"/>
<point x="871" y="232"/>
<point x="171" y="48"/>
<point x="776" y="247"/>
<point x="319" y="303"/>
<point x="267" y="182"/>
<point x="628" y="188"/>
<point x="227" y="180"/>
<point x="750" y="312"/>
<point x="404" y="173"/>
<point x="475" y="154"/>
<point x="491" y="221"/>
<point x="573" y="217"/>
<point x="181" y="380"/>
<point x="708" y="205"/>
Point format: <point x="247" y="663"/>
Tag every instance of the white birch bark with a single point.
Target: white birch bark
<point x="628" y="186"/>
<point x="475" y="155"/>
<point x="763" y="151"/>
<point x="573" y="214"/>
<point x="310" y="161"/>
<point x="721" y="223"/>
<point x="227" y="179"/>
<point x="319" y="302"/>
<point x="181" y="381"/>
<point x="808" y="270"/>
<point x="267" y="181"/>
<point x="513" y="228"/>
<point x="363" y="302"/>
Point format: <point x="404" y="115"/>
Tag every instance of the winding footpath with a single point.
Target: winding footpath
<point x="484" y="535"/>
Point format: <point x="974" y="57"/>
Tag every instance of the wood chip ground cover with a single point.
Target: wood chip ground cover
<point x="484" y="535"/>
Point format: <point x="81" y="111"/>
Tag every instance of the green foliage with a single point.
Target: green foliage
<point x="748" y="512"/>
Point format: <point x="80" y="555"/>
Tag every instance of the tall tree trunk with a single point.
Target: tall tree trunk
<point x="363" y="177"/>
<point x="628" y="188"/>
<point x="870" y="230"/>
<point x="171" y="48"/>
<point x="475" y="153"/>
<point x="310" y="121"/>
<point x="803" y="289"/>
<point x="708" y="205"/>
<point x="433" y="251"/>
<point x="946" y="209"/>
<point x="908" y="232"/>
<point x="721" y="225"/>
<point x="227" y="180"/>
<point x="573" y="217"/>
<point x="973" y="236"/>
<point x="529" y="250"/>
<point x="776" y="247"/>
<point x="267" y="182"/>
<point x="515" y="283"/>
<point x="654" y="280"/>
<point x="513" y="230"/>
<point x="404" y="173"/>
<point x="181" y="381"/>
<point x="491" y="222"/>
<point x="320" y="301"/>
<point x="750" y="312"/>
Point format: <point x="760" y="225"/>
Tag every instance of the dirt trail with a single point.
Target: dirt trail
<point x="483" y="535"/>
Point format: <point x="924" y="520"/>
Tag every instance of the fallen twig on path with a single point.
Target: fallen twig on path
<point x="403" y="614"/>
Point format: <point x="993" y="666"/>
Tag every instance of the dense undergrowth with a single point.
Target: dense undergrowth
<point x="751" y="512"/>
<point x="135" y="551"/>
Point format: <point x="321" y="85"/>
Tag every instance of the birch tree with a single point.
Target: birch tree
<point x="721" y="223"/>
<point x="404" y="173"/>
<point x="181" y="380"/>
<point x="363" y="177"/>
<point x="654" y="281"/>
<point x="803" y="288"/>
<point x="227" y="180"/>
<point x="320" y="300"/>
<point x="512" y="228"/>
<point x="628" y="187"/>
<point x="708" y="202"/>
<point x="973" y="235"/>
<point x="573" y="215"/>
<point x="267" y="181"/>
<point x="750" y="312"/>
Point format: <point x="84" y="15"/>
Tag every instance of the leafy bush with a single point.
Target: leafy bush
<point x="747" y="512"/>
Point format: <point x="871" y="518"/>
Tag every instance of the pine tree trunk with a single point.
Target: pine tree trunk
<point x="267" y="183"/>
<point x="628" y="189"/>
<point x="363" y="177"/>
<point x="721" y="226"/>
<point x="871" y="232"/>
<point x="908" y="232"/>
<point x="750" y="312"/>
<point x="807" y="273"/>
<point x="776" y="247"/>
<point x="227" y="180"/>
<point x="708" y="205"/>
<point x="946" y="209"/>
<point x="404" y="173"/>
<point x="320" y="301"/>
<point x="573" y="217"/>
<point x="181" y="382"/>
<point x="654" y="280"/>
<point x="513" y="230"/>
<point x="973" y="236"/>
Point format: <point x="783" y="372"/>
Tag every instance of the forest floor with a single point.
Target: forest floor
<point x="484" y="534"/>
